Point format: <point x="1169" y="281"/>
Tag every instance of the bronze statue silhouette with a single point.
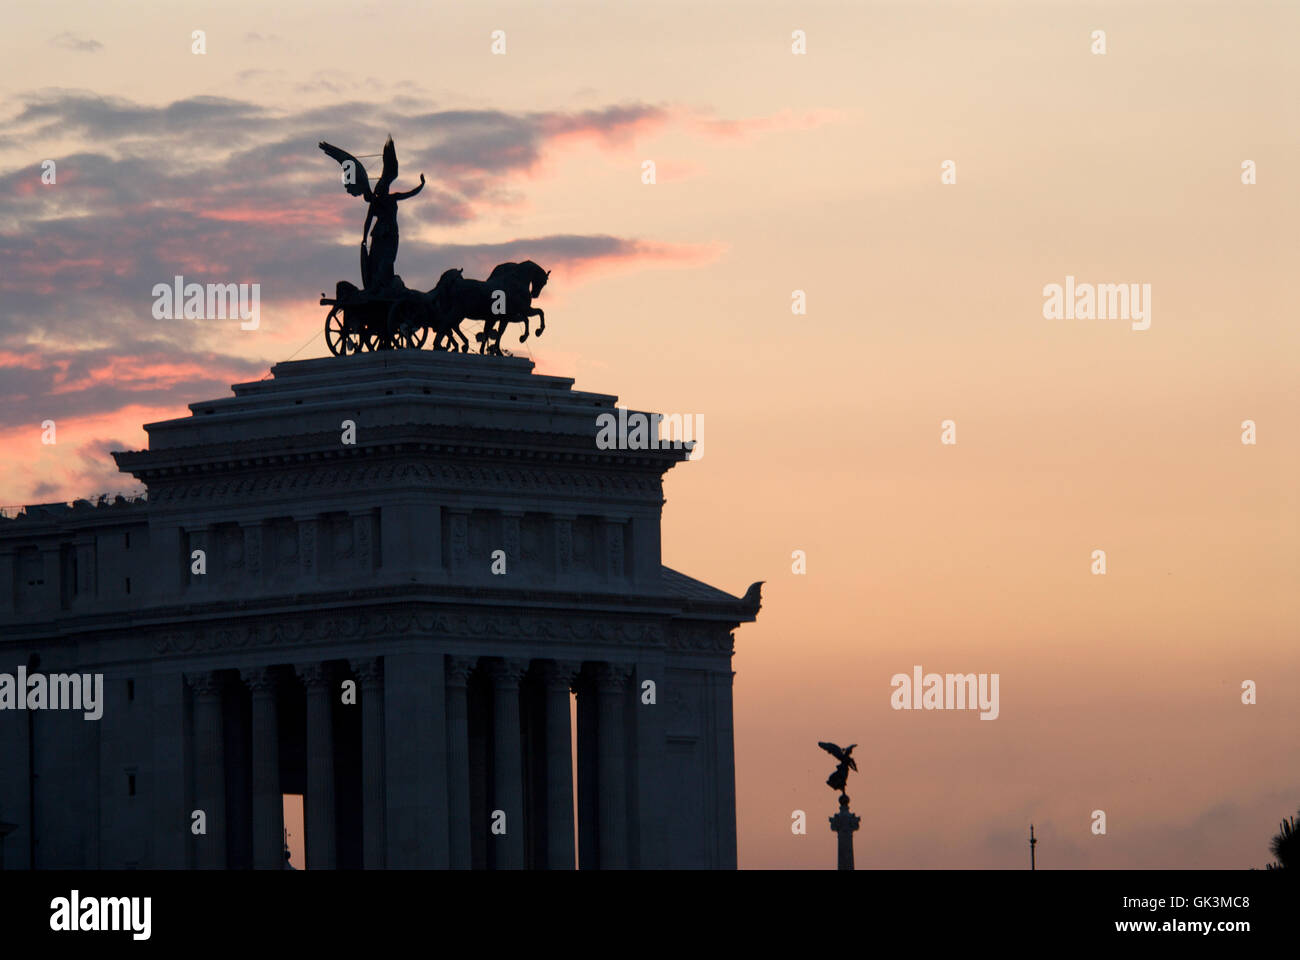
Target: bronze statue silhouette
<point x="506" y="296"/>
<point x="382" y="314"/>
<point x="377" y="262"/>
<point x="838" y="779"/>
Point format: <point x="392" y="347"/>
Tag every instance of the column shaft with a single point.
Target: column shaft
<point x="209" y="769"/>
<point x="322" y="847"/>
<point x="268" y="803"/>
<point x="415" y="760"/>
<point x="370" y="676"/>
<point x="507" y="766"/>
<point x="559" y="766"/>
<point x="458" y="671"/>
<point x="611" y="773"/>
<point x="172" y="751"/>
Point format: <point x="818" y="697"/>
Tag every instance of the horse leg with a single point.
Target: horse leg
<point x="525" y="336"/>
<point x="541" y="320"/>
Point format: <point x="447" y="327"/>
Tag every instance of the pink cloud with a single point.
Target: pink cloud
<point x="281" y="216"/>
<point x="77" y="464"/>
<point x="778" y="122"/>
<point x="636" y="254"/>
<point x="134" y="373"/>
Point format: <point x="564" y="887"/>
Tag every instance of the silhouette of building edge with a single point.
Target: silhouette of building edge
<point x="369" y="565"/>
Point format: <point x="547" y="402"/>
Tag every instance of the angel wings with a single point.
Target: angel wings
<point x="357" y="182"/>
<point x="843" y="755"/>
<point x="376" y="262"/>
<point x="838" y="779"/>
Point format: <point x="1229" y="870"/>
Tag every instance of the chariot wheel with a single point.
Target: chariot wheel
<point x="340" y="336"/>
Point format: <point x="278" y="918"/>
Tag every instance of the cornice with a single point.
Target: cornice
<point x="329" y="476"/>
<point x="419" y="439"/>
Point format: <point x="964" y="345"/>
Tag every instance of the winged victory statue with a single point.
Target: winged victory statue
<point x="838" y="779"/>
<point x="381" y="217"/>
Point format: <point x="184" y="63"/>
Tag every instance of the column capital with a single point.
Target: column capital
<point x="205" y="683"/>
<point x="559" y="674"/>
<point x="369" y="670"/>
<point x="259" y="680"/>
<point x="507" y="671"/>
<point x="314" y="676"/>
<point x="459" y="668"/>
<point x="613" y="677"/>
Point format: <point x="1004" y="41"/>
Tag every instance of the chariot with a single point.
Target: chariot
<point x="359" y="320"/>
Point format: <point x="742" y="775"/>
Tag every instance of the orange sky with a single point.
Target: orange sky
<point x="818" y="173"/>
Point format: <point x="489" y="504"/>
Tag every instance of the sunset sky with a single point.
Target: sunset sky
<point x="777" y="172"/>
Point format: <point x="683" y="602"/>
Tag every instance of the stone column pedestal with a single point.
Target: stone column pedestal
<point x="844" y="824"/>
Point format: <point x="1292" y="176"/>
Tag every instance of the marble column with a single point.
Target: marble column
<point x="172" y="753"/>
<point x="557" y="680"/>
<point x="415" y="759"/>
<point x="370" y="676"/>
<point x="611" y="770"/>
<point x="319" y="802"/>
<point x="209" y="769"/>
<point x="458" y="671"/>
<point x="507" y="765"/>
<point x="268" y="803"/>
<point x="724" y="746"/>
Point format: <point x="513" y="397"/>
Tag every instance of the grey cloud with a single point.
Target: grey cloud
<point x="218" y="189"/>
<point x="70" y="41"/>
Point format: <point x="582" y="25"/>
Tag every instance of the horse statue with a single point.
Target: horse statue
<point x="506" y="296"/>
<point x="443" y="318"/>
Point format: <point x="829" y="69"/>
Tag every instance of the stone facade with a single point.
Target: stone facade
<point x="374" y="565"/>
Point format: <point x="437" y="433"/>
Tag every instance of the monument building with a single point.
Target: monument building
<point x="407" y="585"/>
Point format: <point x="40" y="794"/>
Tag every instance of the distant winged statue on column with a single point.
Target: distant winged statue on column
<point x="838" y="779"/>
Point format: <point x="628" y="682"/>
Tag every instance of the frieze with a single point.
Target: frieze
<point x="289" y="631"/>
<point x="372" y="476"/>
<point x="700" y="637"/>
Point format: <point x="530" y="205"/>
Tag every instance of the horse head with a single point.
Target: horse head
<point x="448" y="278"/>
<point x="538" y="278"/>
